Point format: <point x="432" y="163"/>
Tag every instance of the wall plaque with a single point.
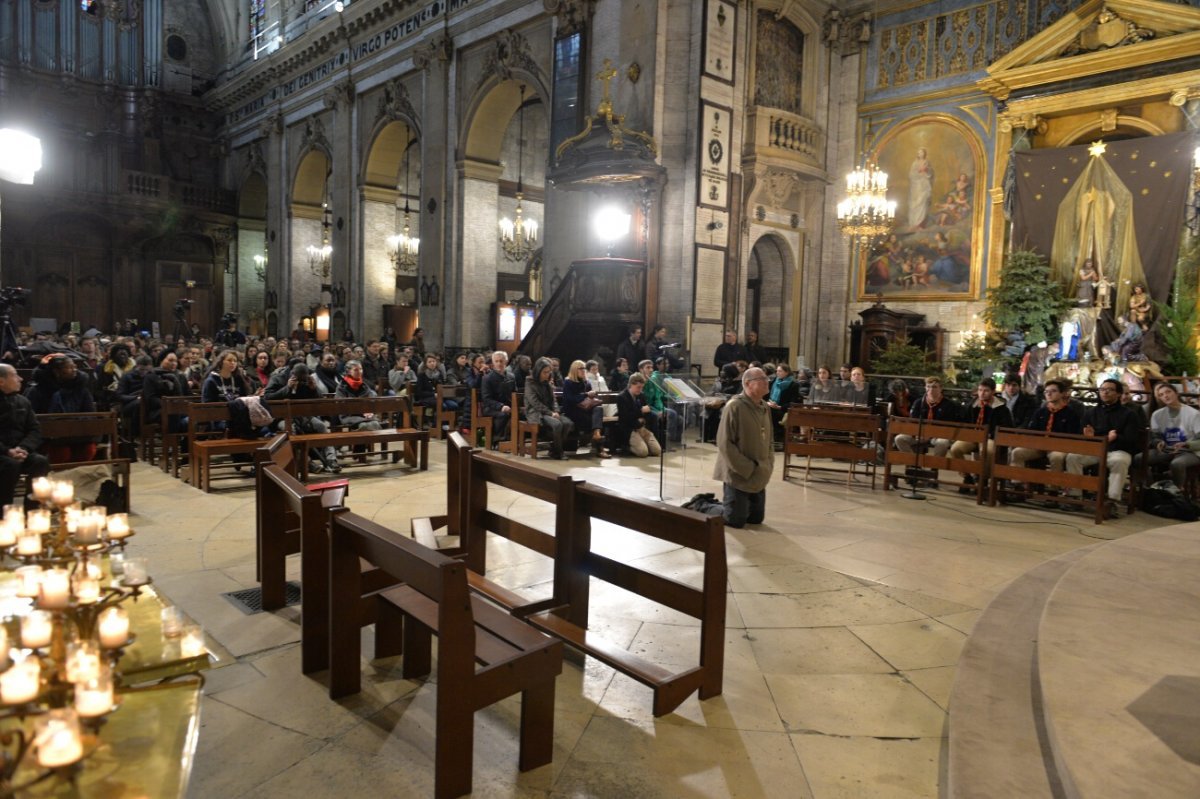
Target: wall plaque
<point x="713" y="186"/>
<point x="709" y="283"/>
<point x="720" y="40"/>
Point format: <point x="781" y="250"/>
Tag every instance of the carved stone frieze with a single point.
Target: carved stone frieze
<point x="437" y="48"/>
<point x="271" y="124"/>
<point x="314" y="135"/>
<point x="572" y="15"/>
<point x="395" y="104"/>
<point x="510" y="52"/>
<point x="778" y="185"/>
<point x="255" y="161"/>
<point x="1008" y="122"/>
<point x="339" y="94"/>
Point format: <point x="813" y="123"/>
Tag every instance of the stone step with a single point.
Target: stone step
<point x="998" y="742"/>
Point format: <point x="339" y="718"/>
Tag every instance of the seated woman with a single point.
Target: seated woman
<point x="620" y="375"/>
<point x="353" y="385"/>
<point x="429" y="377"/>
<point x="582" y="408"/>
<point x="165" y="381"/>
<point x="542" y="409"/>
<point x="784" y="393"/>
<point x="823" y="389"/>
<point x="859" y="391"/>
<point x="601" y="385"/>
<point x="260" y="370"/>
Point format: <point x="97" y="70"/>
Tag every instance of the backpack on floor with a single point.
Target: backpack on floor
<point x="1166" y="500"/>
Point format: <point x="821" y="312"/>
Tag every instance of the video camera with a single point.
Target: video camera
<point x="11" y="296"/>
<point x="182" y="307"/>
<point x="230" y="318"/>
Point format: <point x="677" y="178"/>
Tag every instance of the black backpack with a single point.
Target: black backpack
<point x="1166" y="500"/>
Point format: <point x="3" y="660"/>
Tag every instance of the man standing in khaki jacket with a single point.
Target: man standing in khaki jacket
<point x="745" y="453"/>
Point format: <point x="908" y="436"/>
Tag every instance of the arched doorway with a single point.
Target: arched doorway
<point x="494" y="169"/>
<point x="310" y="199"/>
<point x="391" y="203"/>
<point x="247" y="292"/>
<point x="768" y="284"/>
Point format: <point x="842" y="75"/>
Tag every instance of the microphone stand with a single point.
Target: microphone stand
<point x="918" y="445"/>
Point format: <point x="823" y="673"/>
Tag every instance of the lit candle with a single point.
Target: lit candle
<point x="29" y="580"/>
<point x="29" y="542"/>
<point x="114" y="628"/>
<point x="83" y="661"/>
<point x="172" y="622"/>
<point x="73" y="512"/>
<point x="94" y="696"/>
<point x="116" y="563"/>
<point x="3" y="644"/>
<point x="56" y="589"/>
<point x="21" y="682"/>
<point x="8" y="532"/>
<point x="118" y="525"/>
<point x="136" y="572"/>
<point x="191" y="645"/>
<point x="37" y="628"/>
<point x="87" y="589"/>
<point x="42" y="488"/>
<point x="58" y="739"/>
<point x="87" y="530"/>
<point x="63" y="493"/>
<point x="38" y="521"/>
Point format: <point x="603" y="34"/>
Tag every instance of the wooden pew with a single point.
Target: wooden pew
<point x="101" y="425"/>
<point x="393" y="410"/>
<point x="173" y="408"/>
<point x="458" y="461"/>
<point x="434" y="599"/>
<point x="1010" y="438"/>
<point x="480" y="422"/>
<point x="926" y="430"/>
<point x="814" y="432"/>
<point x="280" y="521"/>
<point x="204" y="443"/>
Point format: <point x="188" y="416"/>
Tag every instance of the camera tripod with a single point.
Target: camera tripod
<point x="182" y="331"/>
<point x="8" y="336"/>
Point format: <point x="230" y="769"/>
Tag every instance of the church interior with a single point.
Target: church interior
<point x="956" y="191"/>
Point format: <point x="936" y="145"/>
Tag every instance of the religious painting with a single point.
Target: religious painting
<point x="936" y="176"/>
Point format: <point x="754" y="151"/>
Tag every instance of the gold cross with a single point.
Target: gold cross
<point x="606" y="75"/>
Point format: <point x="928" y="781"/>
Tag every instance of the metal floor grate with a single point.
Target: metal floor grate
<point x="249" y="600"/>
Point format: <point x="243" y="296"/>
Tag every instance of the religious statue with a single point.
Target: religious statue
<point x="1104" y="292"/>
<point x="1141" y="311"/>
<point x="1085" y="288"/>
<point x="1128" y="346"/>
<point x="1067" y="350"/>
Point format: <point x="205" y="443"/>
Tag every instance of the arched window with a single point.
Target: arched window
<point x="778" y="64"/>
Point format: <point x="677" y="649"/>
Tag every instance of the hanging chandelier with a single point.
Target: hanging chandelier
<point x="403" y="247"/>
<point x="518" y="238"/>
<point x="866" y="211"/>
<point x="320" y="258"/>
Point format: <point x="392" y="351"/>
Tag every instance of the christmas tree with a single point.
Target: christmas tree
<point x="972" y="359"/>
<point x="1028" y="300"/>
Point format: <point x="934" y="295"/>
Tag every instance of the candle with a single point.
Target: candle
<point x="87" y="530"/>
<point x="94" y="696"/>
<point x="172" y="622"/>
<point x="38" y="521"/>
<point x="114" y="628"/>
<point x="63" y="493"/>
<point x="136" y="572"/>
<point x="83" y="661"/>
<point x="42" y="488"/>
<point x="58" y="739"/>
<point x="21" y="682"/>
<point x="73" y="512"/>
<point x="3" y="644"/>
<point x="37" y="628"/>
<point x="29" y="542"/>
<point x="87" y="589"/>
<point x="191" y="645"/>
<point x="56" y="589"/>
<point x="118" y="525"/>
<point x="29" y="580"/>
<point x="116" y="563"/>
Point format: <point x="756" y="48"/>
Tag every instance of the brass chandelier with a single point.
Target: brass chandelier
<point x="518" y="238"/>
<point x="866" y="212"/>
<point x="321" y="258"/>
<point x="403" y="247"/>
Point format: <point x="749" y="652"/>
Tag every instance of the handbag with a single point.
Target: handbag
<point x="587" y="403"/>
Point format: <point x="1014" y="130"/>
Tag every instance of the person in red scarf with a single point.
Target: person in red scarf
<point x="989" y="410"/>
<point x="932" y="406"/>
<point x="1055" y="416"/>
<point x="352" y="384"/>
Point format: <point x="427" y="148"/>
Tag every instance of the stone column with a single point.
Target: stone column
<point x="442" y="322"/>
<point x="479" y="194"/>
<point x="344" y="234"/>
<point x="278" y="215"/>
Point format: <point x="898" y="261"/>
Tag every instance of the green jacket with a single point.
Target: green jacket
<point x="655" y="393"/>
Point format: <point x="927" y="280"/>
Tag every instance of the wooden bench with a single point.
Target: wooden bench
<point x="1097" y="484"/>
<point x="564" y="613"/>
<point x="926" y="430"/>
<point x="393" y="411"/>
<point x="101" y="425"/>
<point x="522" y="433"/>
<point x="484" y="654"/>
<point x="813" y="432"/>
<point x="205" y="443"/>
<point x="173" y="408"/>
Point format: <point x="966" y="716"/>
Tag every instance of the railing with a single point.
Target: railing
<point x="788" y="135"/>
<point x="145" y="185"/>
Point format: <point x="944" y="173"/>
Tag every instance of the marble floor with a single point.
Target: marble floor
<point x="847" y="613"/>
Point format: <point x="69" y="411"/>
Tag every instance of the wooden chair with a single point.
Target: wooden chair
<point x="821" y="432"/>
<point x="434" y="599"/>
<point x="479" y="422"/>
<point x="445" y="419"/>
<point x="524" y="434"/>
<point x="173" y="408"/>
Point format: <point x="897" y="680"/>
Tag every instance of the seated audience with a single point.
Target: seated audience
<point x="1054" y="416"/>
<point x="1118" y="425"/>
<point x="933" y="405"/>
<point x="354" y="385"/>
<point x="20" y="436"/>
<point x="541" y="408"/>
<point x="987" y="410"/>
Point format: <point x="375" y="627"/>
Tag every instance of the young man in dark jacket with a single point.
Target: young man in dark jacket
<point x="632" y="415"/>
<point x="1117" y="423"/>
<point x="987" y="410"/>
<point x="20" y="436"/>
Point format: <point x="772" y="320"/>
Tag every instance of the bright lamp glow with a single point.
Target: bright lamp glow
<point x="611" y="223"/>
<point x="20" y="156"/>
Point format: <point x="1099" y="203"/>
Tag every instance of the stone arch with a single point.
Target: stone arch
<point x="311" y="177"/>
<point x="391" y="202"/>
<point x="309" y="193"/>
<point x="769" y="273"/>
<point x="384" y="155"/>
<point x="496" y="99"/>
<point x="812" y="63"/>
<point x="1127" y="127"/>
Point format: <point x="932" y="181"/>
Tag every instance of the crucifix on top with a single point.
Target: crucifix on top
<point x="605" y="76"/>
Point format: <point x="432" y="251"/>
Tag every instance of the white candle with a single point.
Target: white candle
<point x="37" y="628"/>
<point x="3" y="644"/>
<point x="73" y="512"/>
<point x="58" y="740"/>
<point x="83" y="661"/>
<point x="172" y="622"/>
<point x="94" y="697"/>
<point x="42" y="488"/>
<point x="116" y="563"/>
<point x="29" y="542"/>
<point x="191" y="645"/>
<point x="56" y="589"/>
<point x="87" y="590"/>
<point x="114" y="628"/>
<point x="38" y="521"/>
<point x="136" y="572"/>
<point x="87" y="530"/>
<point x="21" y="682"/>
<point x="30" y="580"/>
<point x="63" y="493"/>
<point x="118" y="525"/>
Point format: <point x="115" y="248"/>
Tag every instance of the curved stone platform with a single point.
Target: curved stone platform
<point x="1119" y="665"/>
<point x="1082" y="678"/>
